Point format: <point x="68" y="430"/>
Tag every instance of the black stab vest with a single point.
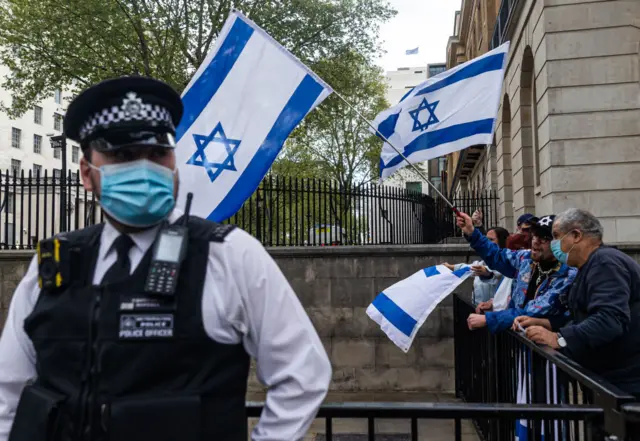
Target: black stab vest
<point x="102" y="375"/>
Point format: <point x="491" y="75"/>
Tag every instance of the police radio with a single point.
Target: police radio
<point x="53" y="263"/>
<point x="168" y="253"/>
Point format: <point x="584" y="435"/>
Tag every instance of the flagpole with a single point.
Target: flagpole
<point x="453" y="207"/>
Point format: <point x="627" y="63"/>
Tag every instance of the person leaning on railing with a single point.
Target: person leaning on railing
<point x="540" y="282"/>
<point x="604" y="332"/>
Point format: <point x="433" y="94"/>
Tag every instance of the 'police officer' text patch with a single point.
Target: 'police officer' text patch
<point x="134" y="326"/>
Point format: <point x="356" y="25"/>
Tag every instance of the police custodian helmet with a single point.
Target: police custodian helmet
<point x="124" y="112"/>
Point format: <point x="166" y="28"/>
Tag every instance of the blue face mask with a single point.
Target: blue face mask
<point x="556" y="249"/>
<point x="137" y="193"/>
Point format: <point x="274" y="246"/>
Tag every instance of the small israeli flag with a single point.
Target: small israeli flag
<point x="449" y="112"/>
<point x="413" y="51"/>
<point x="401" y="309"/>
<point x="239" y="108"/>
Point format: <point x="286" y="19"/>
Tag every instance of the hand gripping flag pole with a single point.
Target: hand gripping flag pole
<point x="416" y="169"/>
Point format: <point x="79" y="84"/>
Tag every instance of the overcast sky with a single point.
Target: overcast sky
<point x="424" y="23"/>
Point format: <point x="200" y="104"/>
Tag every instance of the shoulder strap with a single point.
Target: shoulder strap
<point x="207" y="230"/>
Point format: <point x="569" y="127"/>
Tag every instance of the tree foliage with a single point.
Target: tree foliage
<point x="51" y="44"/>
<point x="334" y="141"/>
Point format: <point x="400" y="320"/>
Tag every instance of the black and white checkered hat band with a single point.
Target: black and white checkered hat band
<point x="153" y="114"/>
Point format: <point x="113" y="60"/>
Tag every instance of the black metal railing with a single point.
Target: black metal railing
<point x="508" y="368"/>
<point x="287" y="211"/>
<point x="413" y="413"/>
<point x="509" y="10"/>
<point x="30" y="207"/>
<point x="467" y="202"/>
<point x="283" y="211"/>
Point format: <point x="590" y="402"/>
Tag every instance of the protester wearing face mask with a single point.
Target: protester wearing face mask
<point x="100" y="356"/>
<point x="604" y="332"/>
<point x="540" y="282"/>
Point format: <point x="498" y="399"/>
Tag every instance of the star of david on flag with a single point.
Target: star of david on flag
<point x="214" y="168"/>
<point x="239" y="109"/>
<point x="451" y="111"/>
<point x="432" y="119"/>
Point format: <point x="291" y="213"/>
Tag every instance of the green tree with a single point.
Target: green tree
<point x="334" y="141"/>
<point x="51" y="44"/>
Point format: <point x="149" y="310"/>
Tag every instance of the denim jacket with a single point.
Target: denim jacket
<point x="551" y="298"/>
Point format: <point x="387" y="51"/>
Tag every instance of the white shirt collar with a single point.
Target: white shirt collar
<point x="141" y="240"/>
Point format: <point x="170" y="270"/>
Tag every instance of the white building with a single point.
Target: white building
<point x="400" y="82"/>
<point x="24" y="144"/>
<point x="31" y="209"/>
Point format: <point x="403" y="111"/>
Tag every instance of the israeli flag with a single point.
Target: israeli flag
<point x="413" y="51"/>
<point x="402" y="308"/>
<point x="449" y="112"/>
<point x="239" y="108"/>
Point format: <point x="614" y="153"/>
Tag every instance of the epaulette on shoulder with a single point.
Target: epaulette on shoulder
<point x="209" y="230"/>
<point x="82" y="236"/>
<point x="221" y="231"/>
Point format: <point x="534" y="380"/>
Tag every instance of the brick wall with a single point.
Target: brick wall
<point x="336" y="285"/>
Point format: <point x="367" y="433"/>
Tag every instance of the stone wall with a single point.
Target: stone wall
<point x="335" y="285"/>
<point x="568" y="129"/>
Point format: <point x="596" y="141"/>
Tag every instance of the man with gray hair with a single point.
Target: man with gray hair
<point x="604" y="301"/>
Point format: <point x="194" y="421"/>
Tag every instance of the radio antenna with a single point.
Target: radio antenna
<point x="187" y="209"/>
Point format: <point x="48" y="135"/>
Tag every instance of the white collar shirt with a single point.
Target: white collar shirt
<point x="246" y="299"/>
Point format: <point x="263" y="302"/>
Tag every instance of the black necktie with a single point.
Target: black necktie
<point x="122" y="266"/>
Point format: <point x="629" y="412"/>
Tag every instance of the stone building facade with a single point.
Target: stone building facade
<point x="568" y="133"/>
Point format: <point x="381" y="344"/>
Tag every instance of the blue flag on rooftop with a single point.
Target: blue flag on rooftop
<point x="239" y="108"/>
<point x="413" y="51"/>
<point x="401" y="309"/>
<point x="449" y="112"/>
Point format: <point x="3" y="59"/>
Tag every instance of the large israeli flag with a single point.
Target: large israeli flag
<point x="239" y="108"/>
<point x="401" y="309"/>
<point x="450" y="111"/>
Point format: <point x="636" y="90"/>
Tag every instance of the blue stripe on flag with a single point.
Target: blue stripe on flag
<point x="462" y="271"/>
<point x="387" y="127"/>
<point x="406" y="95"/>
<point x="207" y="84"/>
<point x="298" y="106"/>
<point x="394" y="314"/>
<point x="487" y="64"/>
<point x="448" y="134"/>
<point x="431" y="271"/>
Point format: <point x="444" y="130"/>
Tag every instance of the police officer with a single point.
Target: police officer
<point x="100" y="358"/>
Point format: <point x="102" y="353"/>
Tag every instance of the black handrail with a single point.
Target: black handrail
<point x="491" y="368"/>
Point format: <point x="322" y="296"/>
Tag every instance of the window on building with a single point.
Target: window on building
<point x="415" y="187"/>
<point x="437" y="69"/>
<point x="37" y="114"/>
<point x="75" y="176"/>
<point x="11" y="202"/>
<point x="37" y="144"/>
<point x="75" y="154"/>
<point x="57" y="122"/>
<point x="10" y="234"/>
<point x="56" y="153"/>
<point x="16" y="136"/>
<point x="37" y="170"/>
<point x="16" y="166"/>
<point x="57" y="96"/>
<point x="57" y="173"/>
